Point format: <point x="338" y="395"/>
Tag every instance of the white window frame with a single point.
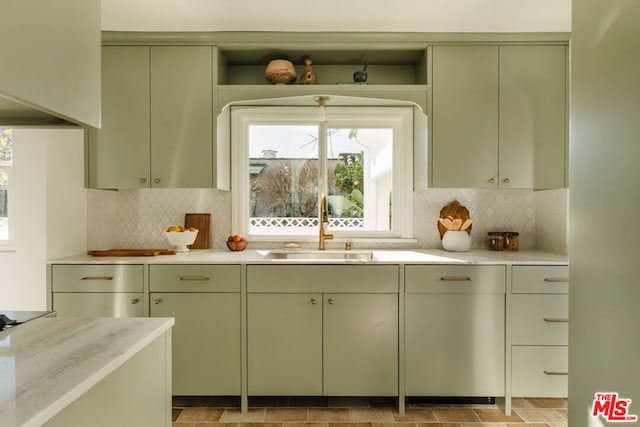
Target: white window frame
<point x="8" y="244"/>
<point x="400" y="119"/>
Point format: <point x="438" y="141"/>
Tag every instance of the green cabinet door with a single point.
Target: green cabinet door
<point x="532" y="116"/>
<point x="284" y="335"/>
<point x="119" y="152"/>
<point x="181" y="117"/>
<point x="465" y="117"/>
<point x="205" y="341"/>
<point x="98" y="304"/>
<point x="454" y="344"/>
<point x="360" y="344"/>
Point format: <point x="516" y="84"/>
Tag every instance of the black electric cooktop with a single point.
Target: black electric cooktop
<point x="9" y="319"/>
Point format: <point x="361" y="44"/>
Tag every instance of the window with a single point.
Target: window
<point x="286" y="158"/>
<point x="6" y="161"/>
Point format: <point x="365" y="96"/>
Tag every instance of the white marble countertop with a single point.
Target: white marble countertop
<point x="48" y="363"/>
<point x="409" y="256"/>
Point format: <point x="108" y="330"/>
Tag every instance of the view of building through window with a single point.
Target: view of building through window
<point x="285" y="178"/>
<point x="6" y="160"/>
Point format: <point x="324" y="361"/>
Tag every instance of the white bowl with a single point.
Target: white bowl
<point x="180" y="239"/>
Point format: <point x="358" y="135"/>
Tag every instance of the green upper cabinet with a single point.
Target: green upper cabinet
<point x="465" y="116"/>
<point x="499" y="117"/>
<point x="181" y="117"/>
<point x="158" y="122"/>
<point x="532" y="116"/>
<point x="119" y="151"/>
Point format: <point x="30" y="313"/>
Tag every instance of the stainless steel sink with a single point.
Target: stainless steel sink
<point x="313" y="255"/>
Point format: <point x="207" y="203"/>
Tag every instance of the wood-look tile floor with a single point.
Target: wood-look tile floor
<point x="204" y="411"/>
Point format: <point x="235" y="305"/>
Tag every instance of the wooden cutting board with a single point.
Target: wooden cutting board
<point x="201" y="221"/>
<point x="132" y="252"/>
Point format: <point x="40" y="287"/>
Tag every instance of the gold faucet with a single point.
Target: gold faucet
<point x="324" y="219"/>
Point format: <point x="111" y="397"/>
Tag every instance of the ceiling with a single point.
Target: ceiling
<point x="338" y="15"/>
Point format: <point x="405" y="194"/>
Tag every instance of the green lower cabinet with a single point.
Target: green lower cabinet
<point x="205" y="340"/>
<point x="284" y="344"/>
<point x="323" y="344"/>
<point x="360" y="344"/>
<point x="454" y="344"/>
<point x="98" y="304"/>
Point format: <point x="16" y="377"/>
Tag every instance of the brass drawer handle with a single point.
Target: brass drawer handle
<point x="492" y="180"/>
<point x="555" y="372"/>
<point x="455" y="279"/>
<point x="194" y="278"/>
<point x="97" y="278"/>
<point x="556" y="279"/>
<point x="157" y="301"/>
<point x="331" y="301"/>
<point x="314" y="301"/>
<point x="135" y="300"/>
<point x="553" y="320"/>
<point x="506" y="180"/>
<point x="143" y="180"/>
<point x="156" y="180"/>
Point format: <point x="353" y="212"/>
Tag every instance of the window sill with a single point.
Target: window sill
<point x="7" y="247"/>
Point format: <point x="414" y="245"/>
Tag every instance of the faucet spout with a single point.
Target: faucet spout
<point x="324" y="219"/>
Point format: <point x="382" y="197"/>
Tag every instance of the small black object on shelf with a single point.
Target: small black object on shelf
<point x="360" y="76"/>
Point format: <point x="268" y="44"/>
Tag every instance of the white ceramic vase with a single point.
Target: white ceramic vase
<point x="456" y="241"/>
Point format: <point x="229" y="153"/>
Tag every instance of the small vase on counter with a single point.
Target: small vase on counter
<point x="456" y="241"/>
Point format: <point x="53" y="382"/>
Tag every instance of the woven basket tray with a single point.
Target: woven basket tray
<point x="453" y="210"/>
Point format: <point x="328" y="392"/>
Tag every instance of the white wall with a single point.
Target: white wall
<point x="338" y="15"/>
<point x="48" y="216"/>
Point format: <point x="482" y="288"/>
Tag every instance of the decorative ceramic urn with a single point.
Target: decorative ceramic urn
<point x="280" y="72"/>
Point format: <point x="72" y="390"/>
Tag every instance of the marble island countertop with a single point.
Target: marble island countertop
<point x="262" y="256"/>
<point x="48" y="363"/>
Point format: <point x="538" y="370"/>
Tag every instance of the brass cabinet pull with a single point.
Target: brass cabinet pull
<point x="314" y="301"/>
<point x="455" y="279"/>
<point x="135" y="300"/>
<point x="156" y="180"/>
<point x="552" y="320"/>
<point x="492" y="180"/>
<point x="143" y="180"/>
<point x="97" y="278"/>
<point x="555" y="372"/>
<point x="506" y="180"/>
<point x="157" y="301"/>
<point x="556" y="279"/>
<point x="194" y="278"/>
<point x="330" y="301"/>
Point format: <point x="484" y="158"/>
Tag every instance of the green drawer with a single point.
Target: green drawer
<point x="540" y="279"/>
<point x="319" y="278"/>
<point x="194" y="278"/>
<point x="449" y="279"/>
<point x="540" y="319"/>
<point x="97" y="278"/>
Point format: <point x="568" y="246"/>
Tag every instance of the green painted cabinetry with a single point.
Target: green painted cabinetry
<point x="533" y="124"/>
<point x="284" y="335"/>
<point x="322" y="330"/>
<point x="158" y="126"/>
<point x="539" y="333"/>
<point x="499" y="116"/>
<point x="98" y="290"/>
<point x="455" y="330"/>
<point x="205" y="302"/>
<point x="119" y="151"/>
<point x="465" y="116"/>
